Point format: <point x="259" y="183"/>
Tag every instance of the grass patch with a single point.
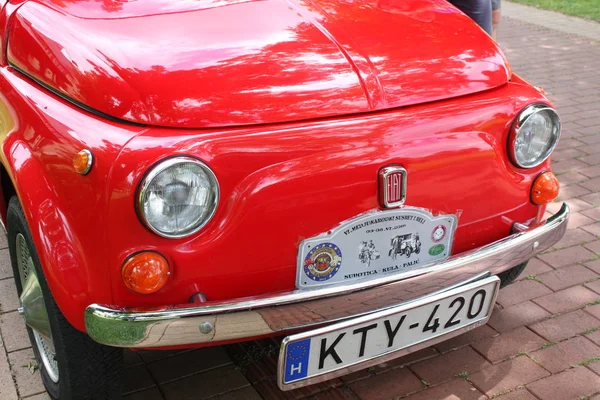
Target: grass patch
<point x="591" y="330"/>
<point x="31" y="366"/>
<point x="532" y="278"/>
<point x="580" y="8"/>
<point x="425" y="383"/>
<point x="255" y="353"/>
<point x="593" y="303"/>
<point x="588" y="362"/>
<point x="548" y="344"/>
<point x="464" y="375"/>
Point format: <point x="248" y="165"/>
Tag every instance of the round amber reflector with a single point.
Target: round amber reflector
<point x="545" y="188"/>
<point x="146" y="272"/>
<point x="82" y="162"/>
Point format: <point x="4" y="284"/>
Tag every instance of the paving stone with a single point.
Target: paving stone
<point x="567" y="299"/>
<point x="563" y="355"/>
<point x="568" y="256"/>
<point x="208" y="384"/>
<point x="28" y="383"/>
<point x="333" y="394"/>
<point x="593" y="213"/>
<point x="6" y="270"/>
<point x="594" y="310"/>
<point x="3" y="240"/>
<point x="519" y="394"/>
<point x="593" y="265"/>
<point x="564" y="277"/>
<point x="41" y="396"/>
<point x="571" y="384"/>
<point x="521" y="291"/>
<point x="456" y="389"/>
<point x="592" y="198"/>
<point x="137" y="378"/>
<point x="595" y="286"/>
<point x="467" y="338"/>
<point x="408" y="359"/>
<point x="593" y="229"/>
<point x="518" y="315"/>
<point x="152" y="355"/>
<point x="594" y="336"/>
<point x="574" y="237"/>
<point x="577" y="220"/>
<point x="535" y="267"/>
<point x="249" y="393"/>
<point x="150" y="394"/>
<point x="565" y="326"/>
<point x="446" y="366"/>
<point x="507" y="375"/>
<point x="7" y="388"/>
<point x="508" y="344"/>
<point x="268" y="389"/>
<point x="14" y="332"/>
<point x="569" y="192"/>
<point x="188" y="363"/>
<point x="593" y="246"/>
<point x="594" y="366"/>
<point x="132" y="358"/>
<point x="9" y="300"/>
<point x="390" y="384"/>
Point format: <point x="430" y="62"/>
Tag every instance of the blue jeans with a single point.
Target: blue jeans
<point x="480" y="11"/>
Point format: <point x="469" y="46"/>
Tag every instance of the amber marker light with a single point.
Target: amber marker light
<point x="146" y="272"/>
<point x="82" y="162"/>
<point x="545" y="188"/>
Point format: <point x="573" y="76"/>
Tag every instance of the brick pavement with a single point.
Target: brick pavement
<point x="540" y="341"/>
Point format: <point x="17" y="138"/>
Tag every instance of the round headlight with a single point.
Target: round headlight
<point x="178" y="197"/>
<point x="534" y="135"/>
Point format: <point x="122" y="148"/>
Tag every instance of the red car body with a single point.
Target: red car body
<point x="295" y="105"/>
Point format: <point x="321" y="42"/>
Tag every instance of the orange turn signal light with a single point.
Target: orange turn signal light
<point x="545" y="188"/>
<point x="146" y="272"/>
<point x="82" y="162"/>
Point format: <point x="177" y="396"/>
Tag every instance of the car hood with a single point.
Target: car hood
<point x="211" y="63"/>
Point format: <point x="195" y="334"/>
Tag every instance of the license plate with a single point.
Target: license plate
<point x="374" y="245"/>
<point x="358" y="343"/>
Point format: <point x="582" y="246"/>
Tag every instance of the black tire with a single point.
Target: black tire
<point x="509" y="276"/>
<point x="87" y="370"/>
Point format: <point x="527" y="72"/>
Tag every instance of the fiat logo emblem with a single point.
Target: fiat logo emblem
<point x="392" y="186"/>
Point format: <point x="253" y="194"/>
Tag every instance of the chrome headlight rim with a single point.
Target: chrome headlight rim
<point x="521" y="119"/>
<point x="158" y="168"/>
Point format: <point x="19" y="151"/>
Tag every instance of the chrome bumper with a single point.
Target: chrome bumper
<point x="300" y="309"/>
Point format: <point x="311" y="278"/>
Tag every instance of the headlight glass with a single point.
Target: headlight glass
<point x="534" y="135"/>
<point x="178" y="197"/>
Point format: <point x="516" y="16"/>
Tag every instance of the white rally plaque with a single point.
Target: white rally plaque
<point x="374" y="245"/>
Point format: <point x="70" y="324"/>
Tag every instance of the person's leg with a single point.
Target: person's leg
<point x="496" y="17"/>
<point x="480" y="11"/>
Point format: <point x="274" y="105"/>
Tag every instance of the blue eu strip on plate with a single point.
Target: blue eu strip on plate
<point x="296" y="360"/>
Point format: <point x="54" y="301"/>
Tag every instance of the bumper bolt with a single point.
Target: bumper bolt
<point x="535" y="245"/>
<point x="206" y="327"/>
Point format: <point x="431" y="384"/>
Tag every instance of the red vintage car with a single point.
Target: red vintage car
<point x="193" y="173"/>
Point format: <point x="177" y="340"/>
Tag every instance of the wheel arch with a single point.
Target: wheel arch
<point x="64" y="267"/>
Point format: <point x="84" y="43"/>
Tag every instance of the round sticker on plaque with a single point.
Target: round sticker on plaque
<point x="439" y="232"/>
<point x="323" y="262"/>
<point x="436" y="249"/>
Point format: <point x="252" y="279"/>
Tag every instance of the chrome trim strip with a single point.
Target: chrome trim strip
<point x="300" y="309"/>
<point x="368" y="362"/>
